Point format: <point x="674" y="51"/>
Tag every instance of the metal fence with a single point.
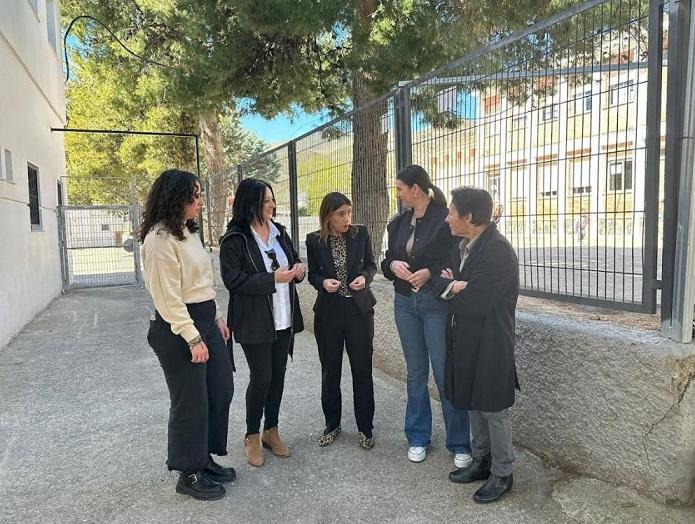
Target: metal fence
<point x="561" y="122"/>
<point x="98" y="223"/>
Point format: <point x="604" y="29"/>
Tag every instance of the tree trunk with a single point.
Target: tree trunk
<point x="220" y="185"/>
<point x="370" y="196"/>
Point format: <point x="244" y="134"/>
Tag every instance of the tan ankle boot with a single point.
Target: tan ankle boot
<point x="271" y="440"/>
<point x="254" y="453"/>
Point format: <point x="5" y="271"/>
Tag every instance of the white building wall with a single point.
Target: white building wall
<point x="32" y="101"/>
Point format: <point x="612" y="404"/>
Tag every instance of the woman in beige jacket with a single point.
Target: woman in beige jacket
<point x="188" y="334"/>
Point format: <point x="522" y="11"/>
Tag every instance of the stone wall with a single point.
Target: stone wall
<point x="599" y="399"/>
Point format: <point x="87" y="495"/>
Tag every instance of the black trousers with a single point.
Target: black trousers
<point x="200" y="393"/>
<point x="267" y="365"/>
<point x="343" y="325"/>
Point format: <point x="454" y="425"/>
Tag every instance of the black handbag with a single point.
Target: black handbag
<point x="364" y="300"/>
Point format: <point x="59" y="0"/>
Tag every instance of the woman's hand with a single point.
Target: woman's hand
<point x="199" y="353"/>
<point x="298" y="269"/>
<point x="447" y="273"/>
<point x="224" y="330"/>
<point x="283" y="275"/>
<point x="331" y="285"/>
<point x="459" y="285"/>
<point x="401" y="269"/>
<point x="420" y="278"/>
<point x="358" y="284"/>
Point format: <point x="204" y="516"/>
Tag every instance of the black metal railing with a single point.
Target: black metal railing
<point x="561" y="122"/>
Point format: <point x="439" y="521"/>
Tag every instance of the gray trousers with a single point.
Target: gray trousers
<point x="491" y="433"/>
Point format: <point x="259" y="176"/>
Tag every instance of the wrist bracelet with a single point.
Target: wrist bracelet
<point x="197" y="340"/>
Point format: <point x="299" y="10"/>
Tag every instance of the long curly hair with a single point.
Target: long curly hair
<point x="166" y="202"/>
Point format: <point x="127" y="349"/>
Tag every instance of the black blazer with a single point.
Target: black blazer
<point x="251" y="287"/>
<point x="480" y="371"/>
<point x="360" y="261"/>
<point x="433" y="241"/>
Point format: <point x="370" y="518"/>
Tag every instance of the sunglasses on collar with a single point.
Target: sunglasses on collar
<point x="274" y="264"/>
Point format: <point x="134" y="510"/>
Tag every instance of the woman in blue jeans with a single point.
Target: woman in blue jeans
<point x="419" y="246"/>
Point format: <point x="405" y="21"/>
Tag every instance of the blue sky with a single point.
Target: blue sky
<point x="282" y="128"/>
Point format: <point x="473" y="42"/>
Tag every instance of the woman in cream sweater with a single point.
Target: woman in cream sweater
<point x="188" y="334"/>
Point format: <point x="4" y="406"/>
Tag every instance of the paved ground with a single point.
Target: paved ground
<point x="83" y="411"/>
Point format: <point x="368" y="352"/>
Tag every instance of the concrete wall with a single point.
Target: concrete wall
<point x="31" y="102"/>
<point x="598" y="399"/>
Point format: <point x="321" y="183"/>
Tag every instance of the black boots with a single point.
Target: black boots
<point x="219" y="473"/>
<point x="493" y="489"/>
<point x="199" y="486"/>
<point x="478" y="470"/>
<point x="495" y="486"/>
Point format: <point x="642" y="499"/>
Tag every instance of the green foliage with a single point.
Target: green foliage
<point x="101" y="166"/>
<point x="320" y="173"/>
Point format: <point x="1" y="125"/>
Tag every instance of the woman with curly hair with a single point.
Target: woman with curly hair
<point x="188" y="334"/>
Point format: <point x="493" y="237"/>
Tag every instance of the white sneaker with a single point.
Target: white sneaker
<point x="462" y="460"/>
<point x="417" y="453"/>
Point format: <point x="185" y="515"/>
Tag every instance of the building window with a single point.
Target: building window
<point x="621" y="93"/>
<point x="582" y="101"/>
<point x="51" y="24"/>
<point x="581" y="183"/>
<point x="9" y="173"/>
<point x="550" y="113"/>
<point x="518" y="122"/>
<point x="620" y="175"/>
<point x="548" y="181"/>
<point x="518" y="183"/>
<point x="34" y="197"/>
<point x="493" y="184"/>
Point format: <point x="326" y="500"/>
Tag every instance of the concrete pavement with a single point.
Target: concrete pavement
<point x="83" y="413"/>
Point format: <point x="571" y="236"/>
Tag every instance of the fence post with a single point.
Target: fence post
<point x="135" y="223"/>
<point x="680" y="150"/>
<point x="294" y="193"/>
<point x="239" y="174"/>
<point x="404" y="143"/>
<point x="653" y="155"/>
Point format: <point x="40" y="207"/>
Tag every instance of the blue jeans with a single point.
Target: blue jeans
<point x="421" y="323"/>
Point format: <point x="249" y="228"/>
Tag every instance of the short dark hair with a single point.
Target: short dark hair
<point x="248" y="202"/>
<point x="477" y="202"/>
<point x="166" y="202"/>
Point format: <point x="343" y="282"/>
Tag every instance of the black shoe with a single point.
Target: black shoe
<point x="493" y="489"/>
<point x="478" y="470"/>
<point x="199" y="487"/>
<point x="219" y="473"/>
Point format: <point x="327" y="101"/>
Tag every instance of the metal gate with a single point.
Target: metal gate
<point x="99" y="245"/>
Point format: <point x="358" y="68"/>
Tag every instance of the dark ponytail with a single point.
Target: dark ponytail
<point x="414" y="174"/>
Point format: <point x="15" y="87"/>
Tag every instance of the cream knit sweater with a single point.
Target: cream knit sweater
<point x="177" y="273"/>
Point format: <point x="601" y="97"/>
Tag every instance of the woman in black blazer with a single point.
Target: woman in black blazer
<point x="260" y="268"/>
<point x="341" y="267"/>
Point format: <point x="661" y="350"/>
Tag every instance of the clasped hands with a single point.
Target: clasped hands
<point x="331" y="285"/>
<point x="285" y="274"/>
<point x="459" y="285"/>
<point x="417" y="279"/>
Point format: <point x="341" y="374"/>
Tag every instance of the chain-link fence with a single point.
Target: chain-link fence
<point x="560" y="122"/>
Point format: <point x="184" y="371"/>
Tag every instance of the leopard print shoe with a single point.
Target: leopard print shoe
<point x="328" y="437"/>
<point x="366" y="443"/>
